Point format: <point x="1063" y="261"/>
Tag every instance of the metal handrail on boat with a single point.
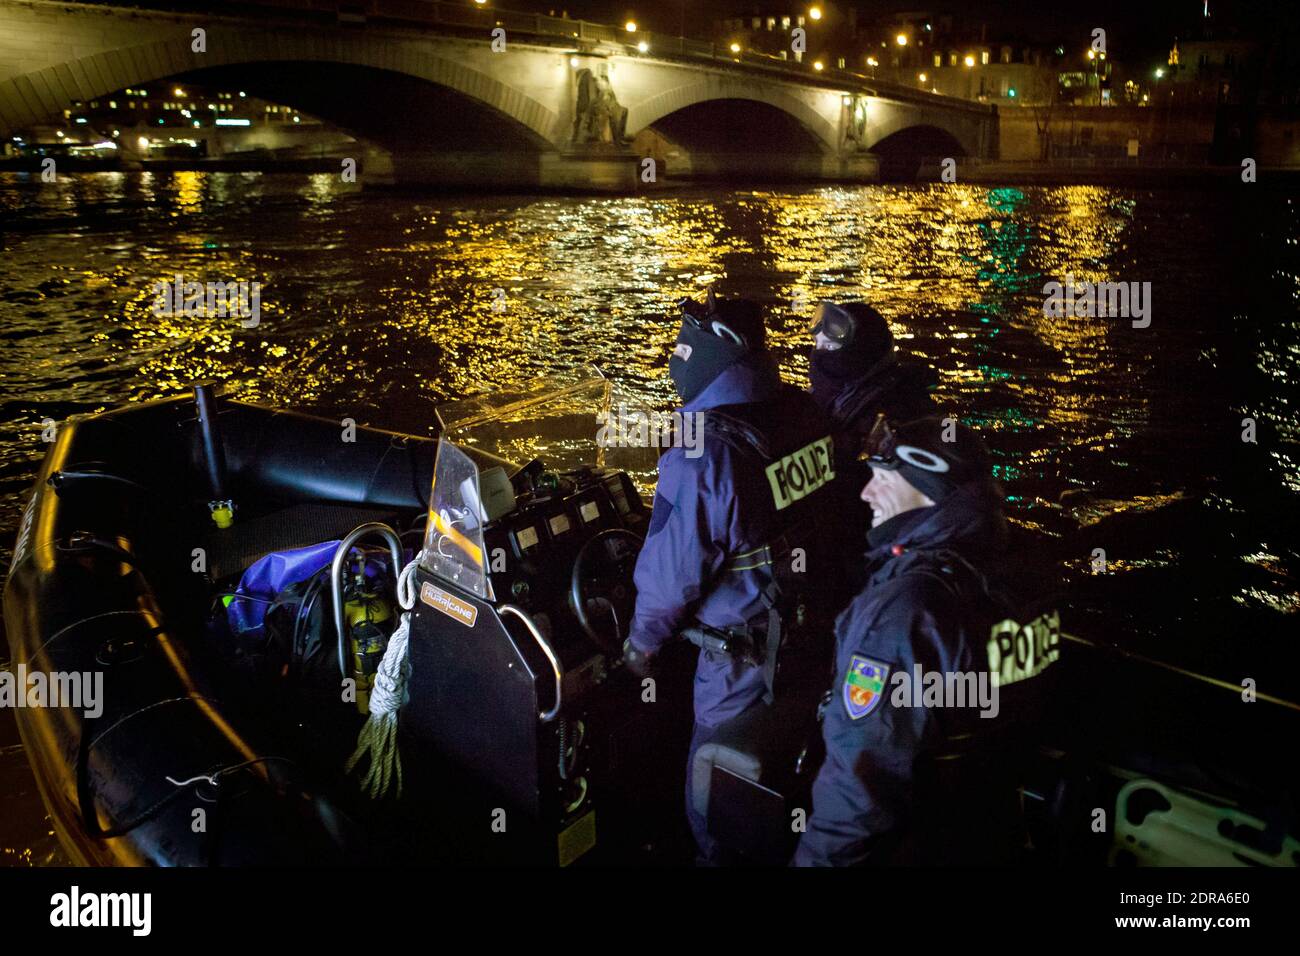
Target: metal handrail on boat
<point x="336" y="574"/>
<point x="545" y="716"/>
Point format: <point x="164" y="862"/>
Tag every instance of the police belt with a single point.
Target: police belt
<point x="756" y="646"/>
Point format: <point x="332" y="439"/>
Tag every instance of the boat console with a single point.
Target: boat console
<point x="525" y="597"/>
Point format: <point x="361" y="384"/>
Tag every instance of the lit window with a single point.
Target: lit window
<point x="840" y="63"/>
<point x="984" y="57"/>
<point x="771" y="23"/>
<point x="938" y="59"/>
<point x="952" y="59"/>
<point x="785" y="23"/>
<point x="800" y="21"/>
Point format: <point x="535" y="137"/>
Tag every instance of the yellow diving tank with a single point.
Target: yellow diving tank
<point x="363" y="615"/>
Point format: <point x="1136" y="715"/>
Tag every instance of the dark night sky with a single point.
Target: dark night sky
<point x="1140" y="28"/>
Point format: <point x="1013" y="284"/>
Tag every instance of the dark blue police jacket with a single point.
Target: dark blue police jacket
<point x="907" y="614"/>
<point x="724" y="503"/>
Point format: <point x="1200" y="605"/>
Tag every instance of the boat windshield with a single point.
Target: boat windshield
<point x="554" y="418"/>
<point x="486" y="439"/>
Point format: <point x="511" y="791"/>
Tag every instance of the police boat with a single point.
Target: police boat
<point x="220" y="579"/>
<point x="276" y="641"/>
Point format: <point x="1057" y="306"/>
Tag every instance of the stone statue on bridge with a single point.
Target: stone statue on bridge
<point x="597" y="115"/>
<point x="855" y="123"/>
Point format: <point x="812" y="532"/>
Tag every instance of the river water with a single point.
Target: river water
<point x="378" y="306"/>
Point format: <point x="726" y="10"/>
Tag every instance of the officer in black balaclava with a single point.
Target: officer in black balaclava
<point x="726" y="522"/>
<point x="856" y="372"/>
<point x="856" y="375"/>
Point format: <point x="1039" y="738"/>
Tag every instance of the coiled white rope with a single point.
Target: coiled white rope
<point x="378" y="738"/>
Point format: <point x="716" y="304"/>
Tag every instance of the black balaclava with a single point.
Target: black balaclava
<point x="702" y="354"/>
<point x="831" y="370"/>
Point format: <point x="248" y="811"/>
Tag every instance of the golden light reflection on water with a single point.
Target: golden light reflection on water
<point x="388" y="304"/>
<point x="380" y="306"/>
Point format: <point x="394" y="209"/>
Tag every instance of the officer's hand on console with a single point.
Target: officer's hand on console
<point x="636" y="661"/>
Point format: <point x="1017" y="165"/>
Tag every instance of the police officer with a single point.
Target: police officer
<point x="937" y="526"/>
<point x="734" y="527"/>
<point x="857" y="375"/>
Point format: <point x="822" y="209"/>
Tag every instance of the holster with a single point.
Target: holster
<point x="757" y="644"/>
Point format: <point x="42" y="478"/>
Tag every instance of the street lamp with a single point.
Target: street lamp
<point x="643" y="47"/>
<point x="735" y="48"/>
<point x="901" y="39"/>
<point x="630" y="26"/>
<point x="970" y="60"/>
<point x="815" y="13"/>
<point x="818" y="66"/>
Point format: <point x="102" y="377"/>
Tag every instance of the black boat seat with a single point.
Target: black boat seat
<point x="231" y="550"/>
<point x="757" y="771"/>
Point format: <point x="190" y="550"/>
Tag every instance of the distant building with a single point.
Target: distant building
<point x="164" y="119"/>
<point x="947" y="54"/>
<point x="1212" y="70"/>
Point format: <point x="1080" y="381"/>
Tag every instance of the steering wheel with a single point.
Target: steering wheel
<point x="602" y="595"/>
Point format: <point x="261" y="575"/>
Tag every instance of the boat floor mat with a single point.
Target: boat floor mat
<point x="231" y="550"/>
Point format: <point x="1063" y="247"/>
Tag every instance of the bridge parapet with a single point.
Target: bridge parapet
<point x="560" y="102"/>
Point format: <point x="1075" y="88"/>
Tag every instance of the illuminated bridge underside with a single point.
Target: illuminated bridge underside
<point x="444" y="110"/>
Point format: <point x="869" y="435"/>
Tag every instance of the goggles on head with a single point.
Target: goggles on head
<point x="701" y="316"/>
<point x="835" y="323"/>
<point x="880" y="449"/>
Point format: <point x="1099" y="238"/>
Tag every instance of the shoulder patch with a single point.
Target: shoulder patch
<point x="864" y="685"/>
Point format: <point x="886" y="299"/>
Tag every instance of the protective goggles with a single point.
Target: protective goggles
<point x="701" y="317"/>
<point x="881" y="449"/>
<point x="835" y="323"/>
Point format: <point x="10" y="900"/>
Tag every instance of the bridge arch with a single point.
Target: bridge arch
<point x="654" y="109"/>
<point x="902" y="152"/>
<point x="31" y="98"/>
<point x="922" y="139"/>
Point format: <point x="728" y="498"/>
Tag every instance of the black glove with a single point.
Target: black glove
<point x="639" y="663"/>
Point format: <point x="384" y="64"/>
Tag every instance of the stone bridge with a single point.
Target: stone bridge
<point x="463" y="96"/>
